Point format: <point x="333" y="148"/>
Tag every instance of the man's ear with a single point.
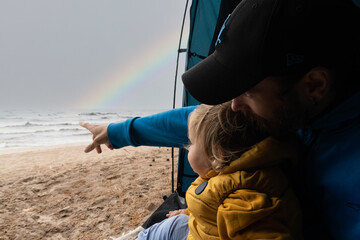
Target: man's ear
<point x="317" y="83"/>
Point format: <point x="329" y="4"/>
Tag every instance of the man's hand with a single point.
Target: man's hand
<point x="99" y="133"/>
<point x="176" y="212"/>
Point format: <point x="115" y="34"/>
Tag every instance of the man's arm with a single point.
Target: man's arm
<point x="166" y="129"/>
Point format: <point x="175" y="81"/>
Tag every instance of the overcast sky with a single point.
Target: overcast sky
<point x="59" y="53"/>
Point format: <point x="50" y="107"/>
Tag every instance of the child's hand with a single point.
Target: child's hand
<point x="99" y="137"/>
<point x="176" y="212"/>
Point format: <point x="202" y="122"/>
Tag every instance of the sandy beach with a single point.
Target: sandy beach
<point x="60" y="192"/>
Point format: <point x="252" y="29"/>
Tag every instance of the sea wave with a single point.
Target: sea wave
<point x="31" y="124"/>
<point x="70" y="129"/>
<point x="82" y="134"/>
<point x="30" y="128"/>
<point x="45" y="131"/>
<point x="97" y="113"/>
<point x="13" y="133"/>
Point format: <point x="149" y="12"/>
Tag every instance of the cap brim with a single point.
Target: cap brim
<point x="212" y="83"/>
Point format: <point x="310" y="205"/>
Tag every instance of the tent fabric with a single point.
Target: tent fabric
<point x="203" y="21"/>
<point x="206" y="20"/>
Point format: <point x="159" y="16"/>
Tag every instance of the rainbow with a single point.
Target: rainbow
<point x="125" y="79"/>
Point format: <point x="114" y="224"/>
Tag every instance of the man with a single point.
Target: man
<point x="294" y="64"/>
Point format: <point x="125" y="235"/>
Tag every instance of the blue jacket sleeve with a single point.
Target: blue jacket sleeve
<point x="166" y="129"/>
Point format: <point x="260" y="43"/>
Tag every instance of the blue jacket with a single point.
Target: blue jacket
<point x="331" y="164"/>
<point x="331" y="172"/>
<point x="166" y="129"/>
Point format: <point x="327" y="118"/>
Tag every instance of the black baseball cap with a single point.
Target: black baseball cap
<point x="264" y="38"/>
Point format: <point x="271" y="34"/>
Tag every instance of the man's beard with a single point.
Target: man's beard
<point x="286" y="120"/>
<point x="282" y="128"/>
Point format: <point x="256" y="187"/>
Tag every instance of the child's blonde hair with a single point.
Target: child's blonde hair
<point x="223" y="133"/>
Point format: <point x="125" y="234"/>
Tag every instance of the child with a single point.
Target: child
<point x="241" y="191"/>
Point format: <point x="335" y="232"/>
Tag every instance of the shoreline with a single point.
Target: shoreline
<point x="60" y="192"/>
<point x="41" y="147"/>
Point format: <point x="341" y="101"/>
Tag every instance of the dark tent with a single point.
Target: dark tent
<point x="206" y="20"/>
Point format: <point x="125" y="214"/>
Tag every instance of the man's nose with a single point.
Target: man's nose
<point x="238" y="104"/>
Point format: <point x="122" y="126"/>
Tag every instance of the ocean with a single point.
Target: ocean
<point x="24" y="129"/>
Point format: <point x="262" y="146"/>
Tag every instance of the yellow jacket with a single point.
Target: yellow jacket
<point x="250" y="199"/>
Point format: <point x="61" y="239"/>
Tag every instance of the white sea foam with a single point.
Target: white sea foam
<point x="21" y="129"/>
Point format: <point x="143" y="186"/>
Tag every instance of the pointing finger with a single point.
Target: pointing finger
<point x="84" y="125"/>
<point x="89" y="148"/>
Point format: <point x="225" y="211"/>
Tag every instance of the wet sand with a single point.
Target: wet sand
<point x="60" y="192"/>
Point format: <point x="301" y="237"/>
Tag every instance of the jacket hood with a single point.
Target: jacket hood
<point x="267" y="153"/>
